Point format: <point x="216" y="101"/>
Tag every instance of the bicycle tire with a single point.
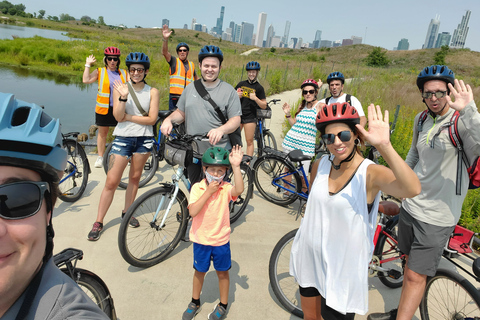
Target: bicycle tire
<point x="238" y="207"/>
<point x="283" y="284"/>
<point x="149" y="169"/>
<point x="73" y="187"/>
<point x="269" y="140"/>
<point x="269" y="168"/>
<point x="388" y="248"/>
<point x="149" y="244"/>
<point x="449" y="295"/>
<point x="94" y="289"/>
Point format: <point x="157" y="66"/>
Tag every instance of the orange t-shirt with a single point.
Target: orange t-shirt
<point x="211" y="226"/>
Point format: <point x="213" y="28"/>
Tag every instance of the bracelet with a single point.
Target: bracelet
<point x="289" y="116"/>
<point x="87" y="65"/>
<point x="123" y="100"/>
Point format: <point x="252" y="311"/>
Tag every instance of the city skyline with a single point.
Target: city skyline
<point x="368" y="19"/>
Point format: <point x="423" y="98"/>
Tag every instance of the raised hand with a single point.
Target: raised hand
<point x="121" y="87"/>
<point x="91" y="59"/>
<point x="286" y="108"/>
<point x="236" y="155"/>
<point x="378" y="133"/>
<point x="166" y="32"/>
<point x="462" y="93"/>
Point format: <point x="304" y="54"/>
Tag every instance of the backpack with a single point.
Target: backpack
<point x="474" y="169"/>
<point x="348" y="99"/>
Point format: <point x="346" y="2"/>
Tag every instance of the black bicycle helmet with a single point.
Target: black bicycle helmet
<point x="210" y="51"/>
<point x="253" y="65"/>
<point x="336" y="76"/>
<point x="138" y="57"/>
<point x="215" y="156"/>
<point x="182" y="44"/>
<point x="435" y="72"/>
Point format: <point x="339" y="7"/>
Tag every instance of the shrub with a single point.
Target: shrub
<point x="377" y="58"/>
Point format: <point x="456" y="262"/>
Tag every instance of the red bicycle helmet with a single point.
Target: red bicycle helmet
<point x="336" y="112"/>
<point x="309" y="82"/>
<point x="112" y="51"/>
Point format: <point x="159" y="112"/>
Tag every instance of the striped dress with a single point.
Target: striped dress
<point x="303" y="133"/>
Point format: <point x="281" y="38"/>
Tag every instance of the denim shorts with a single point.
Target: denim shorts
<point x="127" y="146"/>
<point x="221" y="257"/>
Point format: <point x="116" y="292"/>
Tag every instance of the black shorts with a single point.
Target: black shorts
<point x="327" y="312"/>
<point x="248" y="118"/>
<point x="106" y="120"/>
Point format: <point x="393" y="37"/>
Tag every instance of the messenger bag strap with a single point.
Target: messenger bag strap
<point x="206" y="96"/>
<point x="135" y="99"/>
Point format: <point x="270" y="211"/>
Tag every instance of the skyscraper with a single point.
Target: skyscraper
<point x="317" y="40"/>
<point x="286" y="33"/>
<point x="219" y="27"/>
<point x="443" y="39"/>
<point x="460" y="34"/>
<point x="246" y="34"/>
<point x="194" y="21"/>
<point x="166" y="21"/>
<point x="270" y="35"/>
<point x="262" y="19"/>
<point x="403" y="44"/>
<point x="432" y="33"/>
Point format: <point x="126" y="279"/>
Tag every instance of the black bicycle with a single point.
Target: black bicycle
<point x="90" y="283"/>
<point x="263" y="135"/>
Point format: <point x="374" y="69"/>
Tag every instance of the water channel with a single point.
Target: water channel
<point x="7" y="31"/>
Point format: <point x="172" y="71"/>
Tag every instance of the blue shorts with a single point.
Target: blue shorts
<point x="221" y="256"/>
<point x="127" y="146"/>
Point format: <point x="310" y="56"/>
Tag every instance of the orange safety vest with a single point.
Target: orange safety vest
<point x="103" y="94"/>
<point x="178" y="80"/>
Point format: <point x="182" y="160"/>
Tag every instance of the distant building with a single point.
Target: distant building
<point x="270" y="35"/>
<point x="262" y="19"/>
<point x="432" y="33"/>
<point x="443" y="39"/>
<point x="347" y="42"/>
<point x="337" y="43"/>
<point x="194" y="21"/>
<point x="237" y="33"/>
<point x="165" y="22"/>
<point x="299" y="43"/>
<point x="357" y="40"/>
<point x="246" y="34"/>
<point x="218" y="29"/>
<point x="197" y="27"/>
<point x="293" y="43"/>
<point x="403" y="44"/>
<point x="276" y="41"/>
<point x="185" y="26"/>
<point x="460" y="34"/>
<point x="318" y="38"/>
<point x="325" y="44"/>
<point x="286" y="33"/>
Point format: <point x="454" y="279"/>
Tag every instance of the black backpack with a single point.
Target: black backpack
<point x="348" y="99"/>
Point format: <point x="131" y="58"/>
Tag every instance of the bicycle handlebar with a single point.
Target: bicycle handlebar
<point x="274" y="101"/>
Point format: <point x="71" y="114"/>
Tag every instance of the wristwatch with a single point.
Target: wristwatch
<point x="120" y="99"/>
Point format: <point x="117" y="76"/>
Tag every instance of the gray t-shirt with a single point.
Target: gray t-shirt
<point x="201" y="117"/>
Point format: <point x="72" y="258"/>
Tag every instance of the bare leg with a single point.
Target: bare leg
<point x="249" y="129"/>
<point x="136" y="168"/>
<point x="198" y="279"/>
<point x="223" y="285"/>
<point x="412" y="293"/>
<point x="102" y="140"/>
<point x="311" y="307"/>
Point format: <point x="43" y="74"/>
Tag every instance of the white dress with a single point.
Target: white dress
<point x="334" y="244"/>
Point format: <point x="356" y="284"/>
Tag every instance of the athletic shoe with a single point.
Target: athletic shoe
<point x="133" y="221"/>
<point x="99" y="162"/>
<point x="390" y="315"/>
<point x="94" y="234"/>
<point x="191" y="311"/>
<point x="217" y="313"/>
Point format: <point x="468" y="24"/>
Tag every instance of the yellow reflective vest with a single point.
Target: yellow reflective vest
<point x="179" y="80"/>
<point x="103" y="94"/>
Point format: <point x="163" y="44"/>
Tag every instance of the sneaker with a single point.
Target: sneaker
<point x="217" y="313"/>
<point x="99" y="162"/>
<point x="390" y="315"/>
<point x="133" y="221"/>
<point x="191" y="311"/>
<point x="94" y="234"/>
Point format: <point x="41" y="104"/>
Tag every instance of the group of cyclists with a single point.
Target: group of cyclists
<point x="330" y="268"/>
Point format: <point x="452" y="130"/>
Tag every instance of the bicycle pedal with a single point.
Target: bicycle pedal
<point x="394" y="274"/>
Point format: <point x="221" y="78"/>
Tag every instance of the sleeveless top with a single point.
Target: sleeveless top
<point x="131" y="129"/>
<point x="303" y="133"/>
<point x="334" y="244"/>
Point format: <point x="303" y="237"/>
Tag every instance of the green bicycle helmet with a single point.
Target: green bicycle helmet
<point x="216" y="156"/>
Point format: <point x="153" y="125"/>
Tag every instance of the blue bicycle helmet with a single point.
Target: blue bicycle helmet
<point x="138" y="57"/>
<point x="435" y="72"/>
<point x="253" y="65"/>
<point x="210" y="51"/>
<point x="30" y="138"/>
<point x="336" y="76"/>
<point x="182" y="44"/>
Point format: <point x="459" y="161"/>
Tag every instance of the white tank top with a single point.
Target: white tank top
<point x="334" y="244"/>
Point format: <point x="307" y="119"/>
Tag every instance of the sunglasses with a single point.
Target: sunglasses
<point x="344" y="136"/>
<point x="308" y="91"/>
<point x="139" y="70"/>
<point x="20" y="200"/>
<point x="182" y="50"/>
<point x="438" y="94"/>
<point x="112" y="58"/>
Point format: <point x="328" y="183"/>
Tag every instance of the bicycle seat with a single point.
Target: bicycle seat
<point x="388" y="208"/>
<point x="297" y="156"/>
<point x="461" y="240"/>
<point x="476" y="267"/>
<point x="66" y="255"/>
<point x="246" y="158"/>
<point x="162" y="114"/>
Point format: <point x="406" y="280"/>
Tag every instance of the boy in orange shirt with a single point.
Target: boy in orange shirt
<point x="210" y="231"/>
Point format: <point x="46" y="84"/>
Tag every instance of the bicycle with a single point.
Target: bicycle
<point x="163" y="214"/>
<point x="88" y="281"/>
<point x="387" y="262"/>
<point x="449" y="295"/>
<point x="151" y="166"/>
<point x="75" y="176"/>
<point x="264" y="136"/>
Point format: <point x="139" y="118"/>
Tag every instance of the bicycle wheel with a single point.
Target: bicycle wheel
<point x="238" y="207"/>
<point x="276" y="180"/>
<point x="283" y="284"/>
<point x="149" y="169"/>
<point x="94" y="289"/>
<point x="75" y="176"/>
<point x="153" y="241"/>
<point x="387" y="248"/>
<point x="269" y="140"/>
<point x="448" y="295"/>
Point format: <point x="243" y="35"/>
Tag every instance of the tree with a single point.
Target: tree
<point x="101" y="21"/>
<point x="53" y="18"/>
<point x="85" y="18"/>
<point x="439" y="57"/>
<point x="377" y="58"/>
<point x="66" y="17"/>
<point x="41" y="14"/>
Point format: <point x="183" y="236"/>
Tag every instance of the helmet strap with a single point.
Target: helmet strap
<point x="349" y="158"/>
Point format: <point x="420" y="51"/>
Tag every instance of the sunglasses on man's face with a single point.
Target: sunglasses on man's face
<point x="20" y="200"/>
<point x="112" y="58"/>
<point x="182" y="50"/>
<point x="344" y="136"/>
<point x="438" y="94"/>
<point x="308" y="91"/>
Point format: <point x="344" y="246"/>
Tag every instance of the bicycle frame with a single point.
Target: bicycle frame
<point x="301" y="194"/>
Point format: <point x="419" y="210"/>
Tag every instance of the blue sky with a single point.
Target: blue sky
<point x="380" y="23"/>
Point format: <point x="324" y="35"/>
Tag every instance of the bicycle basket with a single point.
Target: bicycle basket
<point x="178" y="152"/>
<point x="264" y="113"/>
